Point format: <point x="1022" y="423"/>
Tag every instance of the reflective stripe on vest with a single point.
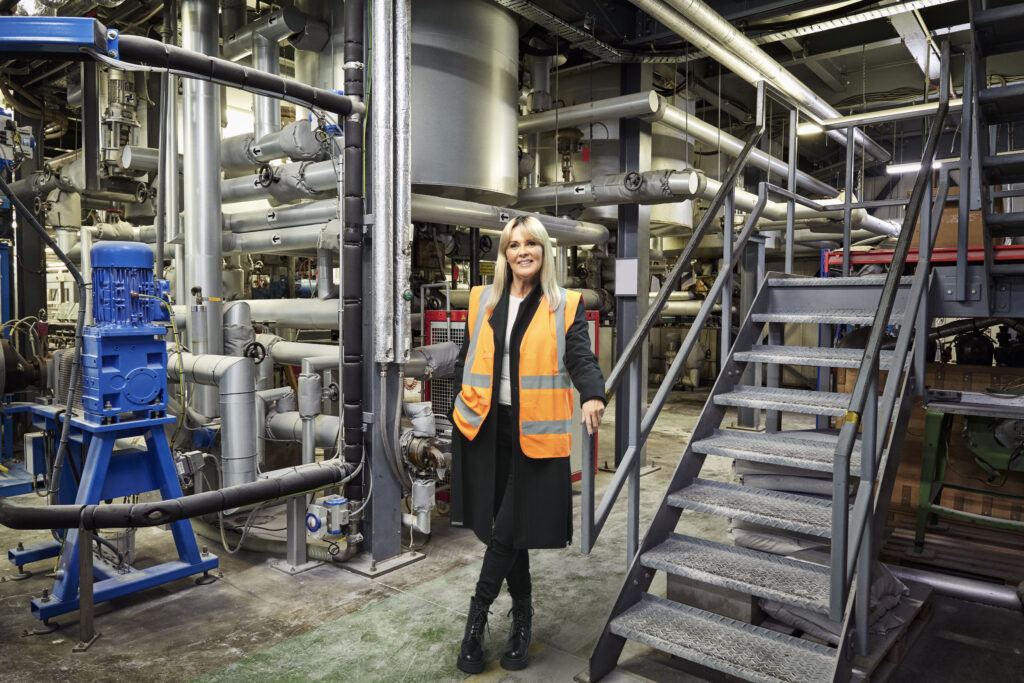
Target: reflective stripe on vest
<point x="545" y="390"/>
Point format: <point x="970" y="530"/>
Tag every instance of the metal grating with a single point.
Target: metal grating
<point x="723" y="644"/>
<point x="860" y="281"/>
<point x="802" y="514"/>
<point x="817" y="356"/>
<point x="775" y="448"/>
<point x="788" y="400"/>
<point x="748" y="571"/>
<point x="852" y="316"/>
<point x="442" y="395"/>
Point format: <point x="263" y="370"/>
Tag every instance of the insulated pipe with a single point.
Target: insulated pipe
<point x="204" y="263"/>
<point x="306" y="314"/>
<point x="325" y="272"/>
<point x="319" y="211"/>
<point x="383" y="151"/>
<point x="568" y="232"/>
<point x="402" y="181"/>
<point x="291" y="353"/>
<point x="263" y="398"/>
<point x="349" y="319"/>
<point x="301" y="238"/>
<point x="962" y="588"/>
<point x="288" y="426"/>
<point x="284" y="484"/>
<point x="266" y="57"/>
<point x="647" y="187"/>
<point x="235" y="378"/>
<point x="275" y="27"/>
<point x="140" y="159"/>
<point x="296" y="141"/>
<point x="85" y="240"/>
<point x="652" y="107"/>
<point x="706" y="30"/>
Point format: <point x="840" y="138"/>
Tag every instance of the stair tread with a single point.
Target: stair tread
<point x="1003" y="168"/>
<point x="1002" y="104"/>
<point x="763" y="575"/>
<point x="823" y="356"/>
<point x="777" y="448"/>
<point x="824" y="316"/>
<point x="802" y="514"/>
<point x="733" y="647"/>
<point x="859" y="281"/>
<point x="998" y="29"/>
<point x="788" y="400"/>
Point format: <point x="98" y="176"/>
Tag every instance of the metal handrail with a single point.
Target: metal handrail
<point x="865" y="386"/>
<point x="683" y="261"/>
<point x="592" y="525"/>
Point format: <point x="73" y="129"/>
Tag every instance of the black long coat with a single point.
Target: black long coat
<point x="542" y="487"/>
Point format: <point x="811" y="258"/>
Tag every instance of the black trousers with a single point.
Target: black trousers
<point x="502" y="561"/>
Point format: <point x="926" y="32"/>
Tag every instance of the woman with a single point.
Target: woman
<point x="527" y="345"/>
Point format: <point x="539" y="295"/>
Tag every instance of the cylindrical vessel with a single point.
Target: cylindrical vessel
<point x="464" y="65"/>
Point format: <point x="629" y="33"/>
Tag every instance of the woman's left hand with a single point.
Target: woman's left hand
<point x="593" y="411"/>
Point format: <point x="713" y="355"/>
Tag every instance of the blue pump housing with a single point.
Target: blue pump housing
<point x="124" y="355"/>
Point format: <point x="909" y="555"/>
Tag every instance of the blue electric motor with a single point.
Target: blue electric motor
<point x="124" y="356"/>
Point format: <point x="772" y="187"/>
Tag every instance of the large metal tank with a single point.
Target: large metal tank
<point x="465" y="57"/>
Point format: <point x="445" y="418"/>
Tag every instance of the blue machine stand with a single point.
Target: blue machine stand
<point x="124" y="396"/>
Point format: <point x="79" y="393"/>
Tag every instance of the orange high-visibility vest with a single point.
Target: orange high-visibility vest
<point x="545" y="390"/>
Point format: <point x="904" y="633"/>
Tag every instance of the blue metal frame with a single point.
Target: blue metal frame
<point x="50" y="35"/>
<point x="105" y="475"/>
<point x="16" y="480"/>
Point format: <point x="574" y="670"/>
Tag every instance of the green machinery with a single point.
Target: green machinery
<point x="994" y="431"/>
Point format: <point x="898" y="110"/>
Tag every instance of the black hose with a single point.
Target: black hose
<point x="76" y="365"/>
<point x="122" y="516"/>
<point x="147" y="51"/>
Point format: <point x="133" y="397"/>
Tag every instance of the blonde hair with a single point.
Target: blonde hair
<point x="531" y="228"/>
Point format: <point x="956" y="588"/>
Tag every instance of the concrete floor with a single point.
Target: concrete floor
<point x="329" y="623"/>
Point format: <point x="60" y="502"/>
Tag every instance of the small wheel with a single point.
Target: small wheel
<point x="265" y="176"/>
<point x="256" y="351"/>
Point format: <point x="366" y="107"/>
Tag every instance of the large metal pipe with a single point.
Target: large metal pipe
<point x="306" y="314"/>
<point x="301" y="238"/>
<point x="706" y="30"/>
<point x="275" y="26"/>
<point x="284" y="352"/>
<point x="652" y="107"/>
<point x="288" y="426"/>
<point x="235" y="378"/>
<point x="266" y="57"/>
<point x="383" y="151"/>
<point x="568" y="232"/>
<point x="402" y="181"/>
<point x="318" y="211"/>
<point x="296" y="141"/>
<point x="962" y="588"/>
<point x="204" y="263"/>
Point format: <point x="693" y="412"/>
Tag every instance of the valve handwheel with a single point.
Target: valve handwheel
<point x="256" y="351"/>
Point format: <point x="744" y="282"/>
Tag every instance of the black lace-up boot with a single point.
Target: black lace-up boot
<point x="516" y="654"/>
<point x="471" y="654"/>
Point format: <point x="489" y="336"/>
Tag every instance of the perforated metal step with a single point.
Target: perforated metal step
<point x="1006" y="224"/>
<point x="802" y="514"/>
<point x="732" y="647"/>
<point x="777" y="449"/>
<point x="823" y="316"/>
<point x="999" y="30"/>
<point x="1003" y="104"/>
<point x="861" y="281"/>
<point x="786" y="400"/>
<point x="816" y="356"/>
<point x="764" y="575"/>
<point x="1003" y="168"/>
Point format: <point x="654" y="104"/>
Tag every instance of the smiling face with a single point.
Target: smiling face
<point x="525" y="256"/>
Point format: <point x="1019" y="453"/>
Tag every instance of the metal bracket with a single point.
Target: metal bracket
<point x="112" y="40"/>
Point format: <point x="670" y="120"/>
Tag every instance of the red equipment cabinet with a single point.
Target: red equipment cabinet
<point x="440" y="391"/>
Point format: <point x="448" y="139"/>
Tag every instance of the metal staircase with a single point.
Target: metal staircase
<point x="996" y="32"/>
<point x="861" y="456"/>
<point x="707" y="639"/>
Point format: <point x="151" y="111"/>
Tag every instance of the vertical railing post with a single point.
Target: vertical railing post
<point x="727" y="237"/>
<point x="633" y="502"/>
<point x="848" y="200"/>
<point x="587" y="494"/>
<point x="869" y="440"/>
<point x="923" y="252"/>
<point x="791" y="158"/>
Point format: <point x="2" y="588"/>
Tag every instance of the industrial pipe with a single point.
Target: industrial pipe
<point x="307" y="314"/>
<point x="296" y="141"/>
<point x="652" y="107"/>
<point x="288" y="426"/>
<point x="319" y="211"/>
<point x="962" y="588"/>
<point x="706" y="30"/>
<point x="235" y="378"/>
<point x="299" y="238"/>
<point x="124" y="516"/>
<point x="275" y="26"/>
<point x="266" y="58"/>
